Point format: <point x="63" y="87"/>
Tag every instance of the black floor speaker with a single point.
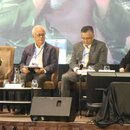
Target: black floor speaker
<point x="53" y="109"/>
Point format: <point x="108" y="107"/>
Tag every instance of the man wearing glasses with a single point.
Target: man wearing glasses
<point x="39" y="60"/>
<point x="39" y="55"/>
<point x="85" y="53"/>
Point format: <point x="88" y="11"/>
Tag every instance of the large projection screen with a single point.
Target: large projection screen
<point x="63" y="20"/>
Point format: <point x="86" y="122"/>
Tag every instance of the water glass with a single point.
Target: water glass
<point x="106" y="67"/>
<point x="34" y="83"/>
<point x="5" y="82"/>
<point x="22" y="83"/>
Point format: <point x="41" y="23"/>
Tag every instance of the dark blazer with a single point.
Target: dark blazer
<point x="97" y="55"/>
<point x="50" y="60"/>
<point x="125" y="61"/>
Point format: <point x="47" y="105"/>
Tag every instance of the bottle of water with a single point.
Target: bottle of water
<point x="17" y="76"/>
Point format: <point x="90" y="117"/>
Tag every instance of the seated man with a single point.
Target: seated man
<point x="40" y="55"/>
<point x="87" y="52"/>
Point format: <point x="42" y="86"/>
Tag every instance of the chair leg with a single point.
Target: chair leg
<point x="1" y="107"/>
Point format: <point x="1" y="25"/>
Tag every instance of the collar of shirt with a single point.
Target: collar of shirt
<point x="40" y="47"/>
<point x="38" y="50"/>
<point x="88" y="47"/>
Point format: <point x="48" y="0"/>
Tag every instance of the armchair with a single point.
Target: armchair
<point x="50" y="84"/>
<point x="6" y="68"/>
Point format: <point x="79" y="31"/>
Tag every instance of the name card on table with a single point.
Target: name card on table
<point x="84" y="71"/>
<point x="106" y="70"/>
<point x="13" y="86"/>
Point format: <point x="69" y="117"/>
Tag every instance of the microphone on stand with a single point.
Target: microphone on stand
<point x="81" y="66"/>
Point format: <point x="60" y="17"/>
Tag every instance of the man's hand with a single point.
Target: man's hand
<point x="25" y="70"/>
<point x="121" y="70"/>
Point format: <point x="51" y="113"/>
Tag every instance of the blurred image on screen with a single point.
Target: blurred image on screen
<point x="63" y="20"/>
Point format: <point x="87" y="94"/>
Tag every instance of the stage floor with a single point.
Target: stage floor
<point x="6" y="116"/>
<point x="10" y="121"/>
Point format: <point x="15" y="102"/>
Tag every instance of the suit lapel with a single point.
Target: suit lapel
<point x="45" y="54"/>
<point x="81" y="49"/>
<point x="92" y="49"/>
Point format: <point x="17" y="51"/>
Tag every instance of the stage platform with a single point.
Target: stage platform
<point x="10" y="121"/>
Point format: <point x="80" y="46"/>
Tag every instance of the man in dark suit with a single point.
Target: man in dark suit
<point x="40" y="55"/>
<point x="87" y="52"/>
<point x="42" y="58"/>
<point x="125" y="63"/>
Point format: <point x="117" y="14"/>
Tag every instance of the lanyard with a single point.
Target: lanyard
<point x="37" y="54"/>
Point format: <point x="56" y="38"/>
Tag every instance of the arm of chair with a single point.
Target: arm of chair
<point x="54" y="78"/>
<point x="51" y="84"/>
<point x="8" y="73"/>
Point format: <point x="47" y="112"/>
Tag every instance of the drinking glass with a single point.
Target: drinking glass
<point x="106" y="67"/>
<point x="5" y="82"/>
<point x="22" y="83"/>
<point x="34" y="83"/>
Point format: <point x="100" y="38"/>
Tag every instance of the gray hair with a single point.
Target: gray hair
<point x="37" y="26"/>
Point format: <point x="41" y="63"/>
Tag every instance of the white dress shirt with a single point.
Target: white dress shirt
<point x="85" y="57"/>
<point x="37" y="57"/>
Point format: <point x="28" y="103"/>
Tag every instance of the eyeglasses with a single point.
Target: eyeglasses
<point x="40" y="34"/>
<point x="86" y="38"/>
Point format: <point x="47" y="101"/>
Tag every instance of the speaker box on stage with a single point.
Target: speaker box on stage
<point x="52" y="109"/>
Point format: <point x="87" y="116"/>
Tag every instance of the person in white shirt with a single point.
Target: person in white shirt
<point x="39" y="60"/>
<point x="40" y="55"/>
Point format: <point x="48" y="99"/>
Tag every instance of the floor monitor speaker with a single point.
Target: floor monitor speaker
<point x="52" y="109"/>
